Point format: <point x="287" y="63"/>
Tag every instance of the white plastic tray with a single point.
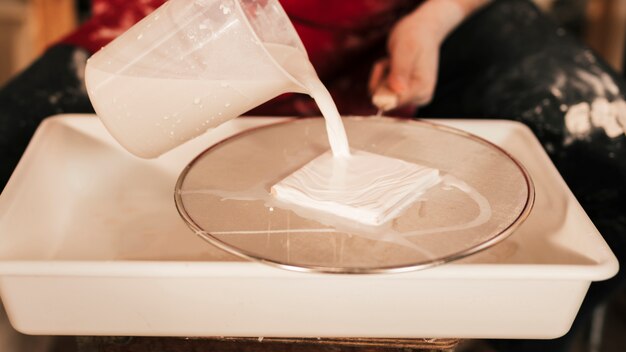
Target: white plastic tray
<point x="91" y="244"/>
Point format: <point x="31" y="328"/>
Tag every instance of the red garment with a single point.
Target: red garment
<point x="343" y="40"/>
<point x="109" y="19"/>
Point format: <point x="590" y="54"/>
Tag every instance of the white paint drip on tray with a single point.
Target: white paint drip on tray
<point x="331" y="223"/>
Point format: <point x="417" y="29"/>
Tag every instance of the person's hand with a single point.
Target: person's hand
<point x="409" y="75"/>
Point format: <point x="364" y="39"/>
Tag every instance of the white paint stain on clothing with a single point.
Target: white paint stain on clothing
<point x="605" y="112"/>
<point x="577" y="120"/>
<point x="604" y="116"/>
<point x="619" y="107"/>
<point x="610" y="117"/>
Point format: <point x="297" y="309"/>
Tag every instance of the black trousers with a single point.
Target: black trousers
<point x="510" y="61"/>
<point x="504" y="62"/>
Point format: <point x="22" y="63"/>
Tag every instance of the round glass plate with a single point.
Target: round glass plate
<point x="224" y="196"/>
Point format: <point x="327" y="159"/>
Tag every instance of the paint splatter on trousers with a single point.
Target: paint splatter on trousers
<point x="509" y="61"/>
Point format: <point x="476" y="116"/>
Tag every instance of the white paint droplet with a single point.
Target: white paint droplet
<point x="225" y="9"/>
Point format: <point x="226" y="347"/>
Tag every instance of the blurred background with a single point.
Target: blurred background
<point x="28" y="27"/>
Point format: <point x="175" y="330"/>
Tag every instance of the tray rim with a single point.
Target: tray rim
<point x="239" y="269"/>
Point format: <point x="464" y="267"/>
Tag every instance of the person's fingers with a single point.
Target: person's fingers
<point x="401" y="68"/>
<point x="423" y="79"/>
<point x="384" y="98"/>
<point x="413" y="66"/>
<point x="413" y="49"/>
<point x="378" y="74"/>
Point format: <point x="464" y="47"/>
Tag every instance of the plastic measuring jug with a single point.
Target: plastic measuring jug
<point x="190" y="66"/>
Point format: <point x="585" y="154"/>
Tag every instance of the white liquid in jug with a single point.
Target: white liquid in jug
<point x="151" y="115"/>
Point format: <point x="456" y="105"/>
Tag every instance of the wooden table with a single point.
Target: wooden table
<point x="227" y="344"/>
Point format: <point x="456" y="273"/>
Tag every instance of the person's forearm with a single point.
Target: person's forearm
<point x="443" y="16"/>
